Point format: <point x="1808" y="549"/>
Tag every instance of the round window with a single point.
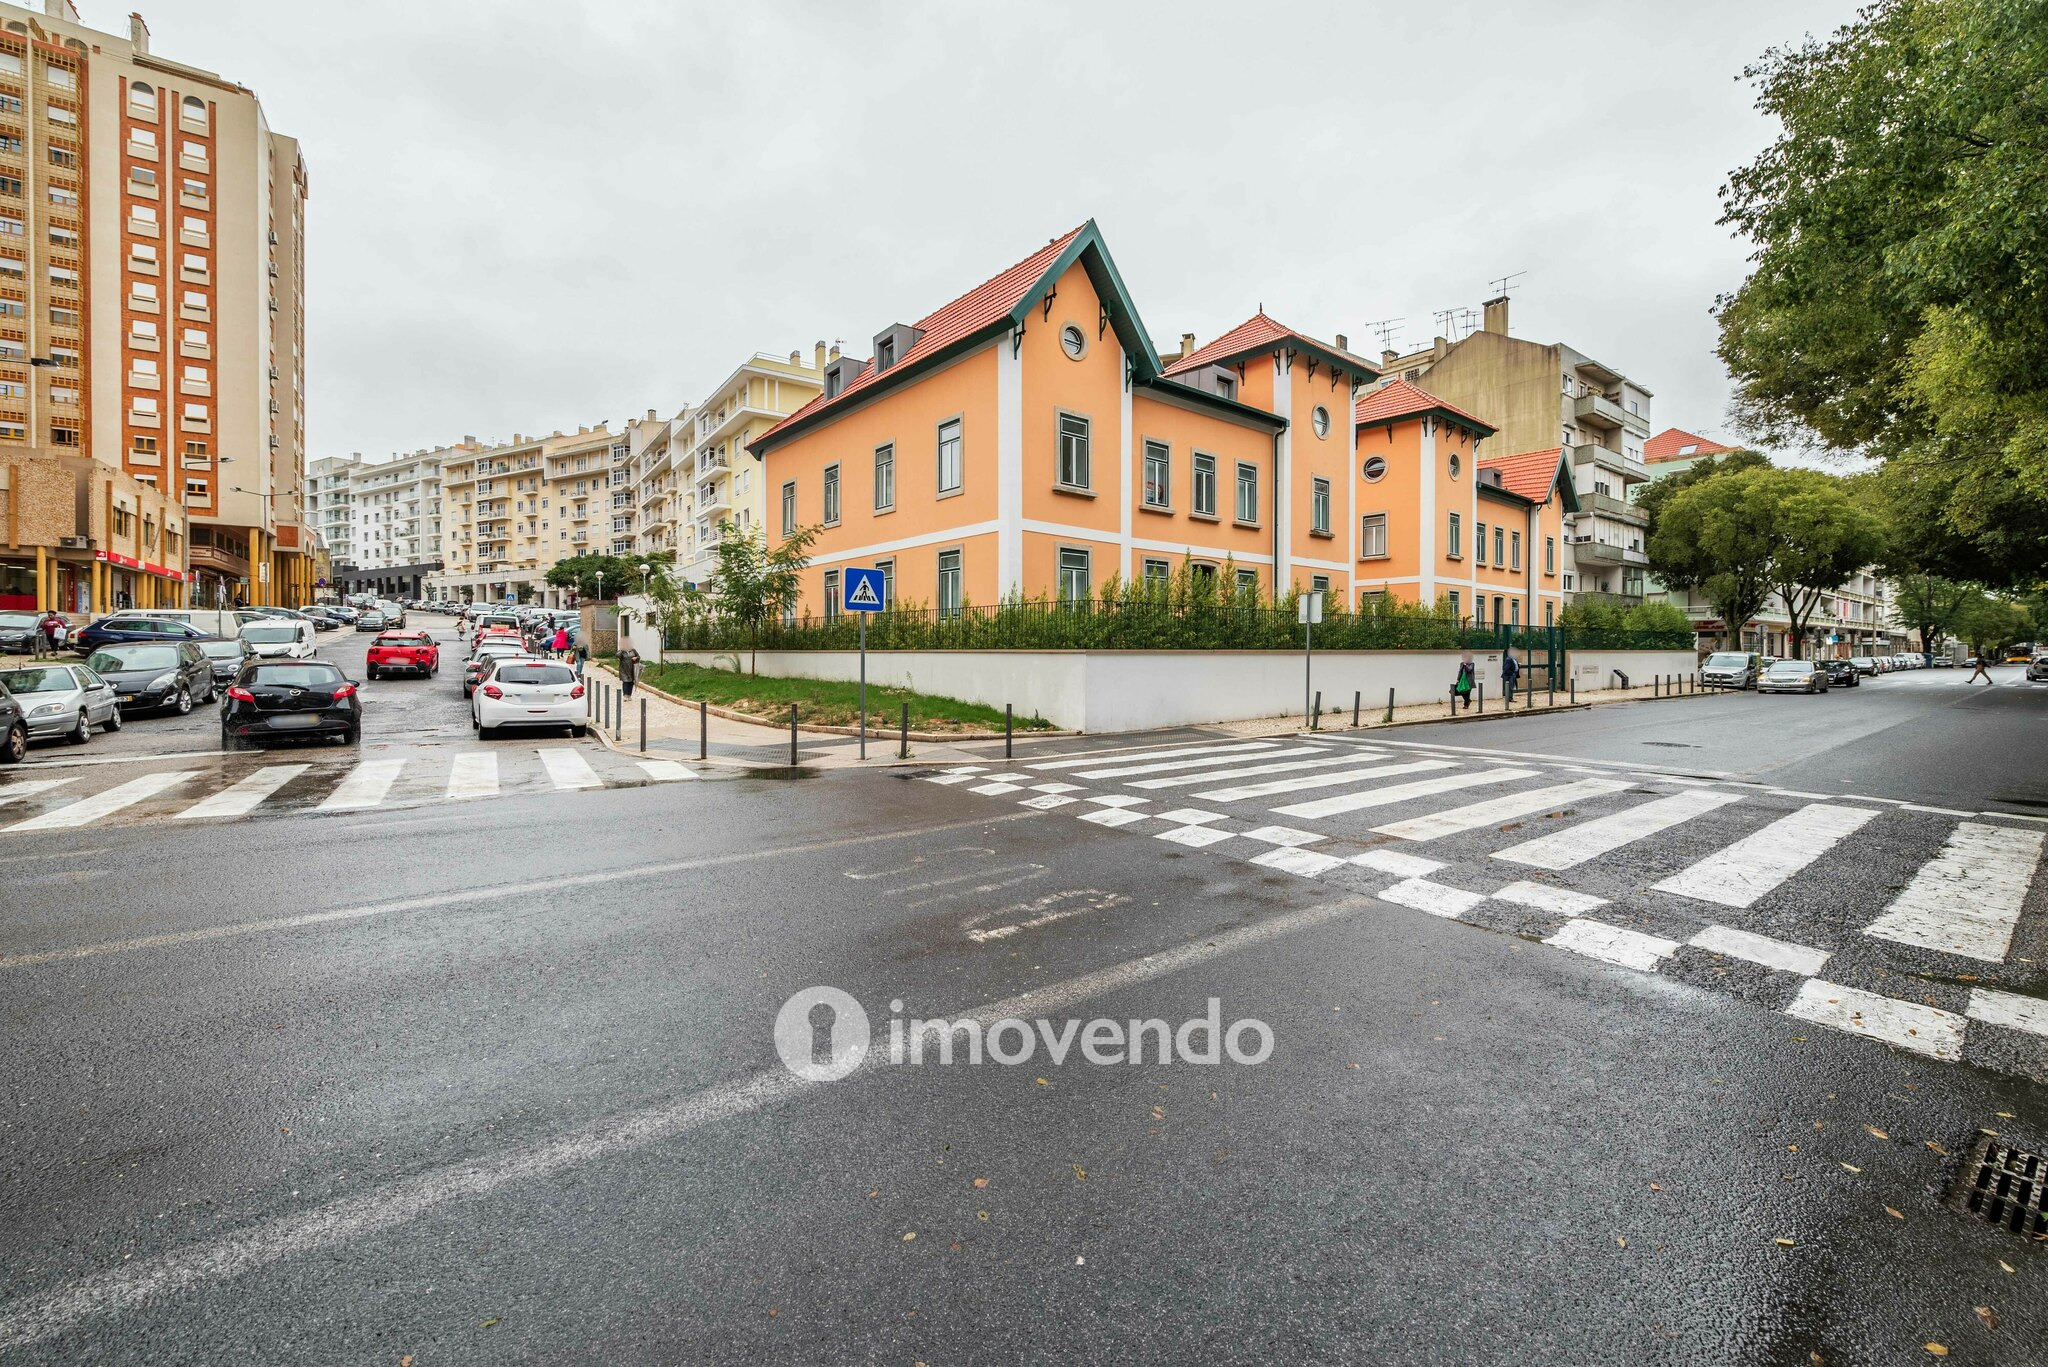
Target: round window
<point x="1376" y="467"/>
<point x="1074" y="342"/>
<point x="1455" y="467"/>
<point x="1321" y="419"/>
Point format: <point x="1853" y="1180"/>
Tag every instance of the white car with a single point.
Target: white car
<point x="279" y="638"/>
<point x="528" y="692"/>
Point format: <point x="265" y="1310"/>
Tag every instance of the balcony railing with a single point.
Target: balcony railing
<point x="1607" y="505"/>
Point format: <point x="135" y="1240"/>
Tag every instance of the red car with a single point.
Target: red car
<point x="409" y="652"/>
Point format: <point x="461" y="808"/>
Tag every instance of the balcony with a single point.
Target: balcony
<point x="1619" y="600"/>
<point x="1597" y="410"/>
<point x="714" y="496"/>
<point x="1632" y="471"/>
<point x="1607" y="505"/>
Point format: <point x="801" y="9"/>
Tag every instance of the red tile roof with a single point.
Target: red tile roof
<point x="1671" y="444"/>
<point x="1401" y="399"/>
<point x="1532" y="474"/>
<point x="1257" y="333"/>
<point x="972" y="311"/>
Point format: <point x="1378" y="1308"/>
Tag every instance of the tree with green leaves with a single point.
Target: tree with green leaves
<point x="1898" y="301"/>
<point x="1933" y="605"/>
<point x="597" y="576"/>
<point x="1653" y="497"/>
<point x="754" y="584"/>
<point x="1991" y="622"/>
<point x="1738" y="538"/>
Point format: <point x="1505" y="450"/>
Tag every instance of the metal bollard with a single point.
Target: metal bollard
<point x="1390" y="704"/>
<point x="1357" y="696"/>
<point x="1315" y="722"/>
<point x="1573" y="684"/>
<point x="903" y="744"/>
<point x="1479" y="697"/>
<point x="792" y="735"/>
<point x="1454" y="702"/>
<point x="704" y="729"/>
<point x="1008" y="720"/>
<point x="643" y="726"/>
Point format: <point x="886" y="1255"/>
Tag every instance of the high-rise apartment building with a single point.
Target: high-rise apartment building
<point x="510" y="511"/>
<point x="718" y="481"/>
<point x="330" y="505"/>
<point x="152" y="232"/>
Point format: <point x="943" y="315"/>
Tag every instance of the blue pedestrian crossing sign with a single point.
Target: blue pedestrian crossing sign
<point x="864" y="591"/>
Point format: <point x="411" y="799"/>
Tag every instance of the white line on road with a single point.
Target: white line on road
<point x="1739" y="874"/>
<point x="568" y="769"/>
<point x="365" y="786"/>
<point x="1438" y="899"/>
<point x="1112" y="816"/>
<point x="90" y="809"/>
<point x="1402" y="792"/>
<point x="1249" y="771"/>
<point x="1632" y="765"/>
<point x="1302" y="783"/>
<point x="1967" y="899"/>
<point x="1206" y="762"/>
<point x="2009" y="1010"/>
<point x="242" y="798"/>
<point x="666" y="770"/>
<point x="1544" y="897"/>
<point x="1614" y="944"/>
<point x="1394" y="862"/>
<point x="1761" y="949"/>
<point x="1909" y="1025"/>
<point x="14" y="792"/>
<point x="1300" y="862"/>
<point x="1155" y="754"/>
<point x="33" y="1319"/>
<point x="1499" y="809"/>
<point x="473" y="774"/>
<point x="1575" y="845"/>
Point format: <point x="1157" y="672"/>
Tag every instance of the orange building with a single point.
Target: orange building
<point x="1436" y="522"/>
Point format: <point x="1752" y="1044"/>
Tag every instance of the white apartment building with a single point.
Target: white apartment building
<point x="716" y="480"/>
<point x="330" y="505"/>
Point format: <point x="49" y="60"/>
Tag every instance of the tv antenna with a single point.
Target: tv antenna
<point x="1387" y="329"/>
<point x="1455" y="323"/>
<point x="1502" y="286"/>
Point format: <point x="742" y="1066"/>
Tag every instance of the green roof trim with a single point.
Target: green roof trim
<point x="1093" y="253"/>
<point x="1170" y="390"/>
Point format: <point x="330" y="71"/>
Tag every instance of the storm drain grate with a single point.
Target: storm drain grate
<point x="2004" y="1186"/>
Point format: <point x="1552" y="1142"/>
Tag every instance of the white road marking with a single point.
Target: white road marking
<point x="1253" y="770"/>
<point x="1047" y="802"/>
<point x="128" y="1285"/>
<point x="2008" y="1009"/>
<point x="90" y="809"/>
<point x="1195" y="837"/>
<point x="1909" y="1025"/>
<point x="1613" y="944"/>
<point x="1437" y="899"/>
<point x="1112" y="816"/>
<point x="1190" y="816"/>
<point x="992" y="789"/>
<point x="1283" y="835"/>
<point x="365" y="785"/>
<point x="14" y="792"/>
<point x="1528" y="755"/>
<point x="1574" y="845"/>
<point x="666" y="770"/>
<point x="1938" y="811"/>
<point x="1967" y="899"/>
<point x="1304" y="782"/>
<point x="473" y="774"/>
<point x="568" y="769"/>
<point x="242" y="798"/>
<point x="1544" y="897"/>
<point x="1039" y="911"/>
<point x="1119" y="800"/>
<point x="948" y="778"/>
<point x="968" y="769"/>
<point x="1397" y="863"/>
<point x="1097" y="759"/>
<point x="1207" y="762"/>
<point x="1402" y="792"/>
<point x="1794" y="792"/>
<point x="1302" y="863"/>
<point x="1055" y="787"/>
<point x="1496" y="810"/>
<point x="1739" y="874"/>
<point x="1761" y="949"/>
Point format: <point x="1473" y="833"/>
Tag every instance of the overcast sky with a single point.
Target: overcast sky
<point x="532" y="216"/>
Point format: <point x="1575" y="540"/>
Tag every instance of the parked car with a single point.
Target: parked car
<point x="528" y="692"/>
<point x="1944" y="662"/>
<point x="2037" y="668"/>
<point x="411" y="652"/>
<point x="1794" y="676"/>
<point x="321" y="619"/>
<point x="132" y="627"/>
<point x="369" y="619"/>
<point x="63" y="700"/>
<point x="152" y="674"/>
<point x="487" y="654"/>
<point x="19" y="631"/>
<point x="290" y="700"/>
<point x="1843" y="673"/>
<point x="1731" y="669"/>
<point x="277" y="638"/>
<point x="208" y="621"/>
<point x="226" y="657"/>
<point x="394" y="613"/>
<point x="1866" y="665"/>
<point x="13" y="729"/>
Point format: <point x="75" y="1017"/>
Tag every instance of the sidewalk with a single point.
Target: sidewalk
<point x="1374" y="718"/>
<point x="673" y="732"/>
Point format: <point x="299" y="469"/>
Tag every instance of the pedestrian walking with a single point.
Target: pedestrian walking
<point x="1468" y="678"/>
<point x="1510" y="671"/>
<point x="629" y="670"/>
<point x="561" y="642"/>
<point x="53" y="631"/>
<point x="1983" y="656"/>
<point x="582" y="657"/>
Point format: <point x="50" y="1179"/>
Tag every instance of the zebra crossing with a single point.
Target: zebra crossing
<point x="1879" y="917"/>
<point x="234" y="789"/>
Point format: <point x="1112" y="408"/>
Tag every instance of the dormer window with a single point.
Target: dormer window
<point x="892" y="344"/>
<point x="885" y="353"/>
<point x="1226" y="387"/>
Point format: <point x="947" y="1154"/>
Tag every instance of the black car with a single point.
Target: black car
<point x="14" y="740"/>
<point x="226" y="657"/>
<point x="290" y="700"/>
<point x="20" y="632"/>
<point x="1843" y="673"/>
<point x="117" y="629"/>
<point x="168" y="674"/>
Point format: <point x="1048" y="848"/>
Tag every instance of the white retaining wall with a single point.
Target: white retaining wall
<point x="1134" y="690"/>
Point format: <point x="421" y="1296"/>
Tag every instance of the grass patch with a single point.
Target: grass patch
<point x="823" y="702"/>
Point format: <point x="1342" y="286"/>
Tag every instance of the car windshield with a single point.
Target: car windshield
<point x="13" y="620"/>
<point x="1791" y="667"/>
<point x="266" y="635"/>
<point x="296" y="676"/>
<point x="113" y="659"/>
<point x="38" y="680"/>
<point x="535" y="674"/>
<point x="1726" y="660"/>
<point x="1861" y="660"/>
<point x="221" y="650"/>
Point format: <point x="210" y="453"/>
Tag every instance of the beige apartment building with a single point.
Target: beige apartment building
<point x="151" y="297"/>
<point x="1549" y="396"/>
<point x="510" y="511"/>
<point x="716" y="479"/>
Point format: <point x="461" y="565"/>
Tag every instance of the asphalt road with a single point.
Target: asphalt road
<point x="498" y="1082"/>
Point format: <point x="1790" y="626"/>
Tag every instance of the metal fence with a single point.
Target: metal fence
<point x="1095" y="625"/>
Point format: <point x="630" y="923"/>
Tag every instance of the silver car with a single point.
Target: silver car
<point x="63" y="700"/>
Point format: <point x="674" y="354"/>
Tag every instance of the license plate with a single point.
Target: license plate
<point x="295" y="720"/>
<point x="127" y="697"/>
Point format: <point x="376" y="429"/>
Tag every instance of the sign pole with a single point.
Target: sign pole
<point x="863" y="685"/>
<point x="865" y="592"/>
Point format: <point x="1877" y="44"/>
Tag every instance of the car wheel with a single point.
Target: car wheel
<point x="182" y="704"/>
<point x="370" y="674"/>
<point x="81" y="733"/>
<point x="15" y="746"/>
<point x="228" y="742"/>
<point x="113" y="722"/>
<point x="579" y="732"/>
<point x="212" y="692"/>
<point x="352" y="736"/>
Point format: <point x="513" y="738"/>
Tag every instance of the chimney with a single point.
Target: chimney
<point x="796" y="358"/>
<point x="1187" y="345"/>
<point x="650" y="415"/>
<point x="1496" y="318"/>
<point x="821" y="358"/>
<point x="833" y="354"/>
<point x="1343" y="342"/>
<point x="1388" y="357"/>
<point x="138" y="33"/>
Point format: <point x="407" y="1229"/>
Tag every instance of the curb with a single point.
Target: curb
<point x="925" y="737"/>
